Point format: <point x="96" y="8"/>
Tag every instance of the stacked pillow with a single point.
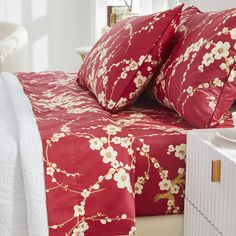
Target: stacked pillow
<point x="198" y="80"/>
<point x="123" y="61"/>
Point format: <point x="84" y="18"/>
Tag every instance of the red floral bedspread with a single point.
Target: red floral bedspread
<point x="101" y="169"/>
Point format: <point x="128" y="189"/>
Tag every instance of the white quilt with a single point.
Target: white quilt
<point x="22" y="191"/>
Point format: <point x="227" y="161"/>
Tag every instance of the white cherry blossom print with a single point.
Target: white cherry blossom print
<point x="132" y="231"/>
<point x="50" y="171"/>
<point x="174" y="189"/>
<point x="233" y="34"/>
<point x="139" y="81"/>
<point x="78" y="210"/>
<point x="138" y="188"/>
<point x="181" y="171"/>
<point x="165" y="184"/>
<point x="111" y="104"/>
<point x="232" y="76"/>
<point x="180" y="151"/>
<point x="164" y="174"/>
<point x="123" y="179"/>
<point x="108" y="154"/>
<point x="133" y="65"/>
<point x="95" y="144"/>
<point x="208" y="59"/>
<point x="145" y="149"/>
<point x="221" y="50"/>
<point x="112" y="129"/>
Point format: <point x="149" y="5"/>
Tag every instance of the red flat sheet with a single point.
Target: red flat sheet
<point x="101" y="169"/>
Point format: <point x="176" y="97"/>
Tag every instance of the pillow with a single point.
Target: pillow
<point x="123" y="61"/>
<point x="198" y="79"/>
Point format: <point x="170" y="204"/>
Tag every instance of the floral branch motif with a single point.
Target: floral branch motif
<point x="172" y="188"/>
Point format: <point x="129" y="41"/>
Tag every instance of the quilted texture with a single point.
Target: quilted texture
<point x="198" y="79"/>
<point x="123" y="61"/>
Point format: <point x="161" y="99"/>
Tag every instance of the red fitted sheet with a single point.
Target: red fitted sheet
<point x="101" y="169"/>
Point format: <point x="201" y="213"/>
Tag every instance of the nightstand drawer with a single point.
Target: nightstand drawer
<point x="196" y="224"/>
<point x="215" y="200"/>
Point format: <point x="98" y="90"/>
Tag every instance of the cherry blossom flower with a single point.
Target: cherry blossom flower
<point x="181" y="171"/>
<point x="78" y="210"/>
<point x="122" y="178"/>
<point x="164" y="174"/>
<point x="223" y="66"/>
<point x="108" y="154"/>
<point x="56" y="137"/>
<point x="212" y="103"/>
<point x="141" y="180"/>
<point x="190" y="90"/>
<point x="145" y="149"/>
<point x="104" y="81"/>
<point x="156" y="165"/>
<point x="133" y="65"/>
<point x="116" y="140"/>
<point x="85" y="193"/>
<point x="102" y="71"/>
<point x="165" y="184"/>
<point x="208" y="58"/>
<point x="174" y="189"/>
<point x="125" y="142"/>
<point x="122" y="101"/>
<point x="221" y="50"/>
<point x="103" y="53"/>
<point x="50" y="171"/>
<point x="198" y="45"/>
<point x="170" y="203"/>
<point x="95" y="144"/>
<point x="83" y="226"/>
<point x="233" y="33"/>
<point x="180" y="151"/>
<point x="218" y="83"/>
<point x="138" y="188"/>
<point x="111" y="104"/>
<point x="171" y="149"/>
<point x="141" y="60"/>
<point x="132" y="231"/>
<point x="65" y="129"/>
<point x="110" y="173"/>
<point x="232" y="76"/>
<point x="123" y="75"/>
<point x="112" y="129"/>
<point x="140" y="81"/>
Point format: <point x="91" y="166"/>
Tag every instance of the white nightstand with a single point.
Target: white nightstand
<point x="210" y="203"/>
<point x="83" y="51"/>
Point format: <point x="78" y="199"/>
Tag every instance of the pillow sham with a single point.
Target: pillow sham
<point x="123" y="61"/>
<point x="198" y="79"/>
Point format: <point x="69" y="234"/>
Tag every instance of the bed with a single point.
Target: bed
<point x="99" y="171"/>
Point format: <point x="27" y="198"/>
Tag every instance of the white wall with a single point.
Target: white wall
<point x="213" y="5"/>
<point x="56" y="28"/>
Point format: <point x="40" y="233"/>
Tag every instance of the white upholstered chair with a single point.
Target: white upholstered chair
<point x="13" y="47"/>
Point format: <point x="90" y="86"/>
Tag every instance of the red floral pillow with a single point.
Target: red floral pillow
<point x="198" y="79"/>
<point x="123" y="61"/>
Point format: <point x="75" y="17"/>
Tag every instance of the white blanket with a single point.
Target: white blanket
<point x="22" y="189"/>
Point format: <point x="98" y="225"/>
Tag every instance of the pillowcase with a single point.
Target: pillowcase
<point x="123" y="61"/>
<point x="198" y="79"/>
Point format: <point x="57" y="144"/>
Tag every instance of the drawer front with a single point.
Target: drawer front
<point x="215" y="200"/>
<point x="195" y="224"/>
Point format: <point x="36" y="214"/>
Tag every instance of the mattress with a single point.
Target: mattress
<point x="92" y="159"/>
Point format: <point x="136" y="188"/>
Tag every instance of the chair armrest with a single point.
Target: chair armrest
<point x="13" y="42"/>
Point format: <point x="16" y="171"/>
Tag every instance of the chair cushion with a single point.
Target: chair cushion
<point x="123" y="61"/>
